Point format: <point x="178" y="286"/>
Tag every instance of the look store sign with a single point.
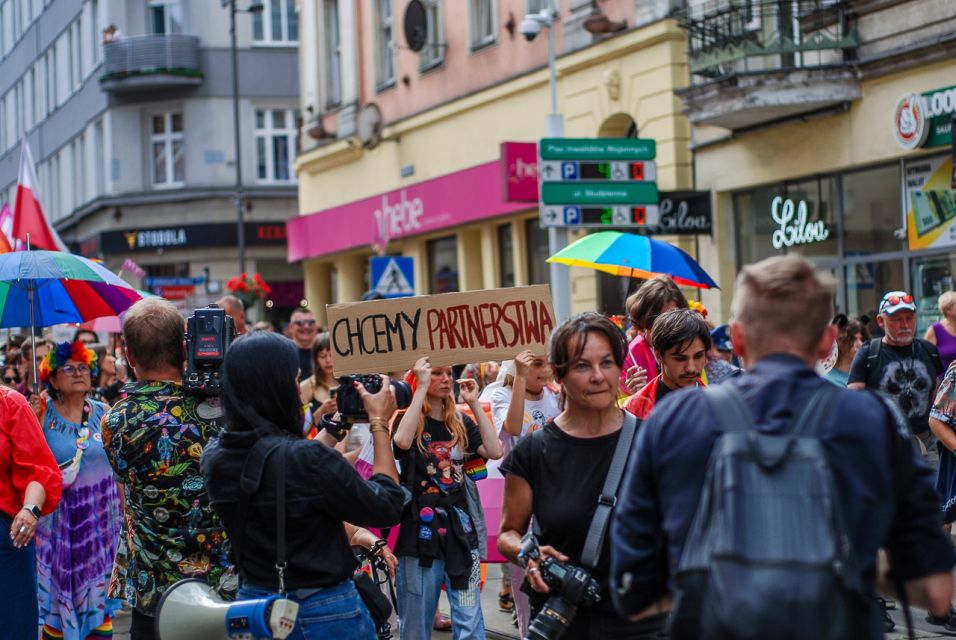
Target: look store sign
<point x="924" y="120"/>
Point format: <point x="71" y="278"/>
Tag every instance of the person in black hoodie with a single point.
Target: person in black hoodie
<point x="322" y="492"/>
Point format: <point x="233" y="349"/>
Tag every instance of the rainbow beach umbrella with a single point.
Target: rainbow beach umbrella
<point x="626" y="254"/>
<point x="44" y="288"/>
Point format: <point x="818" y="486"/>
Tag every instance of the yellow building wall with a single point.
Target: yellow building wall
<point x="861" y="136"/>
<point x="635" y="73"/>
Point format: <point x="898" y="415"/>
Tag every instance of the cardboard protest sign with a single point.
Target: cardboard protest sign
<point x="452" y="328"/>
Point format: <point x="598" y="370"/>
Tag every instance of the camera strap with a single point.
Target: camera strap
<point x="608" y="498"/>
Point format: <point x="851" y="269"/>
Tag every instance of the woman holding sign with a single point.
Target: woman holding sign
<point x="437" y="542"/>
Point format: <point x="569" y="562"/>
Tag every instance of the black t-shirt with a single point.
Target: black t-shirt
<point x="907" y="374"/>
<point x="662" y="390"/>
<point x="305" y="363"/>
<point x="566" y="475"/>
<point x="438" y="470"/>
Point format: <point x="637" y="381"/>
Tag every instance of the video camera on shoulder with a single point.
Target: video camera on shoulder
<point x="350" y="405"/>
<point x="209" y="332"/>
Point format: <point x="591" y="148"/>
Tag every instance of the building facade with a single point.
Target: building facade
<point x="824" y="127"/>
<point x="127" y="107"/>
<point x="431" y="154"/>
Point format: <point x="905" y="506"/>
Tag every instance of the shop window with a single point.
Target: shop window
<point x="822" y="206"/>
<point x="866" y="282"/>
<point x="537" y="252"/>
<point x="506" y="258"/>
<point x="754" y="224"/>
<point x="443" y="264"/>
<point x="932" y="276"/>
<point x="871" y="206"/>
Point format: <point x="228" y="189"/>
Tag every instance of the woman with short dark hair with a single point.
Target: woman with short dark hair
<point x="557" y="473"/>
<point x="323" y="491"/>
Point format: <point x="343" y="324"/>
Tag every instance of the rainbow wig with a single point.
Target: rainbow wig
<point x="61" y="354"/>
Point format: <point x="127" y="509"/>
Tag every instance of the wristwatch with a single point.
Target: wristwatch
<point x="32" y="508"/>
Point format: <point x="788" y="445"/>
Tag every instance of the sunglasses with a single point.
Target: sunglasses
<point x="894" y="300"/>
<point x="9" y="380"/>
<point x="304" y="323"/>
<point x="71" y="370"/>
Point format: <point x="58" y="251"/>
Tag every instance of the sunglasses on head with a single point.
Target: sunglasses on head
<point x="304" y="323"/>
<point x="894" y="299"/>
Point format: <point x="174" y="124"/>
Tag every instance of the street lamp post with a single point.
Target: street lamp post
<point x="255" y="7"/>
<point x="554" y="128"/>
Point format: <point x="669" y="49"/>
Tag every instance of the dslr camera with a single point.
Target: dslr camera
<point x="571" y="587"/>
<point x="209" y="332"/>
<point x="351" y="407"/>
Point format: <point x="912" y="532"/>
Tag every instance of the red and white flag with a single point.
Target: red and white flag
<point x="28" y="215"/>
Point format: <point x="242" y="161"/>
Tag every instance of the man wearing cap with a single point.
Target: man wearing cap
<point x="902" y="366"/>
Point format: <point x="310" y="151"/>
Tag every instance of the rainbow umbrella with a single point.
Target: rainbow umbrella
<point x="44" y="288"/>
<point x="626" y="254"/>
<point x="112" y="324"/>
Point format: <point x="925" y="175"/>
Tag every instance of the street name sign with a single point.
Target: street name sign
<point x="599" y="193"/>
<point x="597" y="149"/>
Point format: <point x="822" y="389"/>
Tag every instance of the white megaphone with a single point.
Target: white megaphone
<point x="191" y="610"/>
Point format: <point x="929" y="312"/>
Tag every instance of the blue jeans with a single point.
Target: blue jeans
<point x="20" y="613"/>
<point x="333" y="612"/>
<point x="418" y="590"/>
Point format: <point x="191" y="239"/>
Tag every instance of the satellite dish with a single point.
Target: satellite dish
<point x="370" y="125"/>
<point x="416" y="32"/>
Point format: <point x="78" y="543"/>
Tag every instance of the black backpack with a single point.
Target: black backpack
<point x="768" y="555"/>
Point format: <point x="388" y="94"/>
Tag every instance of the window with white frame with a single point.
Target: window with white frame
<point x="275" y="144"/>
<point x="29" y="115"/>
<point x="333" y="53"/>
<point x="482" y="22"/>
<point x="78" y="149"/>
<point x="95" y="30"/>
<point x="385" y="43"/>
<point x="433" y="54"/>
<point x="51" y="79"/>
<point x="277" y="23"/>
<point x="165" y="17"/>
<point x="166" y="149"/>
<point x="76" y="64"/>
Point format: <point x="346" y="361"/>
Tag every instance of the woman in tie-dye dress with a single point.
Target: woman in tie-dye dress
<point x="76" y="543"/>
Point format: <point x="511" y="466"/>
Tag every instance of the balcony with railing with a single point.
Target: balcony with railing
<point x="148" y="62"/>
<point x="757" y="61"/>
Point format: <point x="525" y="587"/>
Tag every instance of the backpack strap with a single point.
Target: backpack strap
<point x="815" y="410"/>
<point x="249" y="482"/>
<point x="728" y="405"/>
<point x="281" y="563"/>
<point x="608" y="498"/>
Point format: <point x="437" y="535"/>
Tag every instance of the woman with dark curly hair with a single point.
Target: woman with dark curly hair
<point x="76" y="544"/>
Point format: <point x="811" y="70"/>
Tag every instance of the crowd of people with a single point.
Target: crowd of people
<point x="115" y="482"/>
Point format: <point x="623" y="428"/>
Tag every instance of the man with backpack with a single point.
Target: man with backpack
<point x="902" y="366"/>
<point x="760" y="503"/>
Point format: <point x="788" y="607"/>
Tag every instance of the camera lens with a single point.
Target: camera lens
<point x="553" y="620"/>
<point x="403" y="393"/>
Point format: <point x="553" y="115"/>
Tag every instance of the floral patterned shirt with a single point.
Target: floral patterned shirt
<point x="154" y="439"/>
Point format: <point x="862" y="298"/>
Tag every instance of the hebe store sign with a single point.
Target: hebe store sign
<point x="924" y="120"/>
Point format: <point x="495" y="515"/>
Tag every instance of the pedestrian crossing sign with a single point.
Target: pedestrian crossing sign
<point x="393" y="276"/>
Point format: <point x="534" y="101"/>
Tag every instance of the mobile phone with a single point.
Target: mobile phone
<point x="334" y="391"/>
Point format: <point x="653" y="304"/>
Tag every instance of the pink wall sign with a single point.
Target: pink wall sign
<point x="519" y="171"/>
<point x="441" y="203"/>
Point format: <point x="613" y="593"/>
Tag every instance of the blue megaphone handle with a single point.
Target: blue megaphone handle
<point x="250" y="617"/>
